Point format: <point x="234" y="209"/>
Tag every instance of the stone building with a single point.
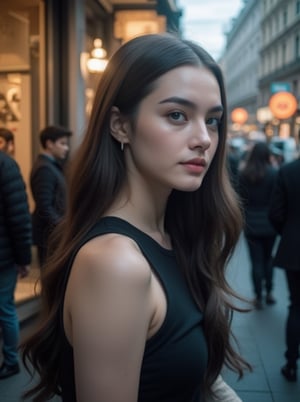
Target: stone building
<point x="262" y="57"/>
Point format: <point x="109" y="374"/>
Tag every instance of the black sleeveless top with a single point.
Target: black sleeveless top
<point x="175" y="358"/>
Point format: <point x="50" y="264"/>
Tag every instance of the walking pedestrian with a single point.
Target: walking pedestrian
<point x="285" y="216"/>
<point x="48" y="186"/>
<point x="137" y="307"/>
<point x="256" y="184"/>
<point x="15" y="256"/>
<point x="233" y="161"/>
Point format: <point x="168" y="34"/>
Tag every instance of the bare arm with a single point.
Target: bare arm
<point x="109" y="303"/>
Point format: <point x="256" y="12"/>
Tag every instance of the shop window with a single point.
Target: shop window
<point x="20" y="105"/>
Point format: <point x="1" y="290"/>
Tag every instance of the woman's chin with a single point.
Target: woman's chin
<point x="190" y="187"/>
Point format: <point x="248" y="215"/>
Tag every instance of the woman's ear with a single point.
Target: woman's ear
<point x="119" y="126"/>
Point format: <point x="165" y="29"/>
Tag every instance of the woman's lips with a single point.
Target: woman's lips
<point x="196" y="165"/>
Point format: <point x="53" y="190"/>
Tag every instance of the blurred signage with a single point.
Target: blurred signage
<point x="264" y="115"/>
<point x="239" y="115"/>
<point x="280" y="87"/>
<point x="283" y="105"/>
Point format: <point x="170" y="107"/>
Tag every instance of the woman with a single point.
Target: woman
<point x="256" y="183"/>
<point x="137" y="307"/>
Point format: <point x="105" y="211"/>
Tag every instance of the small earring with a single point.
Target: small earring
<point x="122" y="146"/>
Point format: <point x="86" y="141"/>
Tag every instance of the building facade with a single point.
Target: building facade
<point x="280" y="59"/>
<point x="241" y="60"/>
<point x="262" y="57"/>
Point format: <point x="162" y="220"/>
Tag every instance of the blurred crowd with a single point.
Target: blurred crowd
<point x="266" y="177"/>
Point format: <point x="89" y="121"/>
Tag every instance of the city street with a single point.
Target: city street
<point x="261" y="338"/>
<point x="213" y="81"/>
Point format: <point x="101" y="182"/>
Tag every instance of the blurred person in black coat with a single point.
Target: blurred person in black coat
<point x="233" y="161"/>
<point x="15" y="256"/>
<point x="285" y="216"/>
<point x="255" y="186"/>
<point x="48" y="186"/>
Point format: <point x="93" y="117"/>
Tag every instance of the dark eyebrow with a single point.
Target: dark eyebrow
<point x="180" y="101"/>
<point x="216" y="109"/>
<point x="192" y="105"/>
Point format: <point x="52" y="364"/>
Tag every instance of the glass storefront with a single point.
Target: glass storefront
<point x="21" y="107"/>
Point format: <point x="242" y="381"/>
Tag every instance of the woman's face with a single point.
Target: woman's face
<point x="176" y="131"/>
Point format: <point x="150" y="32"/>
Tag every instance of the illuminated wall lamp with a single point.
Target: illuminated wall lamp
<point x="97" y="62"/>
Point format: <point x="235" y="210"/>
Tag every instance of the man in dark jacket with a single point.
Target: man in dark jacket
<point x="48" y="186"/>
<point x="285" y="217"/>
<point x="15" y="256"/>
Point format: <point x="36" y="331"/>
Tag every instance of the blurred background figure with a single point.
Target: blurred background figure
<point x="15" y="256"/>
<point x="7" y="141"/>
<point x="285" y="216"/>
<point x="233" y="160"/>
<point x="256" y="184"/>
<point x="48" y="186"/>
<point x="277" y="157"/>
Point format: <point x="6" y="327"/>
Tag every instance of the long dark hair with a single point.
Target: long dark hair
<point x="204" y="225"/>
<point x="257" y="163"/>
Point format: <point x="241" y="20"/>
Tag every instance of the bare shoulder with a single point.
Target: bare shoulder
<point x="109" y="278"/>
<point x="112" y="256"/>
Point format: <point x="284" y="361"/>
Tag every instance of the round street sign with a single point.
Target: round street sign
<point x="239" y="115"/>
<point x="283" y="105"/>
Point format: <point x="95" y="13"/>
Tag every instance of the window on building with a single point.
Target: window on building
<point x="295" y="87"/>
<point x="298" y="7"/>
<point x="274" y="60"/>
<point x="283" y="53"/>
<point x="297" y="46"/>
<point x="269" y="65"/>
<point x="277" y="27"/>
<point x="285" y="17"/>
<point x="271" y="29"/>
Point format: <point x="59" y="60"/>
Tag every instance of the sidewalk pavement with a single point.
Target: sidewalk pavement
<point x="260" y="335"/>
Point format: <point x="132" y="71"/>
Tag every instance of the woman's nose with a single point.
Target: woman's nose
<point x="200" y="136"/>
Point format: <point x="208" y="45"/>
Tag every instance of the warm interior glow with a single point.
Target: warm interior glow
<point x="97" y="62"/>
<point x="96" y="65"/>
